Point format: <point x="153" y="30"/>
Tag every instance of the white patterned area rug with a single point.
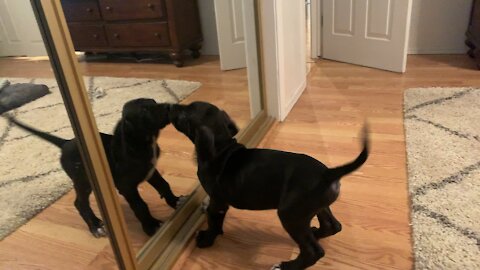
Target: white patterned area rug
<point x="31" y="177"/>
<point x="442" y="127"/>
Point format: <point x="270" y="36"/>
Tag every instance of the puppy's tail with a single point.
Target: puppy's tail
<point x="47" y="137"/>
<point x="334" y="174"/>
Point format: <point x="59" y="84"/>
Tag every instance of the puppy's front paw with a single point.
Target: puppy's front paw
<point x="327" y="231"/>
<point x="172" y="201"/>
<point x="181" y="201"/>
<point x="205" y="239"/>
<point x="99" y="231"/>
<point x="276" y="267"/>
<point x="205" y="205"/>
<point x="151" y="227"/>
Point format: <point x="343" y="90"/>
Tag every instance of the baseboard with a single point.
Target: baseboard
<point x="438" y="51"/>
<point x="298" y="92"/>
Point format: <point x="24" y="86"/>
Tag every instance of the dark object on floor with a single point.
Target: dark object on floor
<point x="132" y="153"/>
<point x="299" y="186"/>
<point x="473" y="33"/>
<point x="15" y="95"/>
<point x="170" y="26"/>
<point x="127" y="57"/>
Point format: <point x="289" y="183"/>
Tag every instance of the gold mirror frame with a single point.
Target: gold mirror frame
<point x="161" y="251"/>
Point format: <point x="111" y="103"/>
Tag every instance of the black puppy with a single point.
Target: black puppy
<point x="299" y="186"/>
<point x="132" y="153"/>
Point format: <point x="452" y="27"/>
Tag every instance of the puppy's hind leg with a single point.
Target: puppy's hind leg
<point x="329" y="225"/>
<point x="163" y="188"/>
<point x="299" y="230"/>
<point x="216" y="212"/>
<point x="83" y="191"/>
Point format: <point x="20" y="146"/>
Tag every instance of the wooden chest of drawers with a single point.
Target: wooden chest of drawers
<point x="171" y="26"/>
<point x="473" y="33"/>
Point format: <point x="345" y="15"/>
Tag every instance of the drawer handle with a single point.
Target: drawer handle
<point x="89" y="9"/>
<point x="108" y="8"/>
<point x="157" y="35"/>
<point x="116" y="35"/>
<point x="95" y="36"/>
<point x="150" y="5"/>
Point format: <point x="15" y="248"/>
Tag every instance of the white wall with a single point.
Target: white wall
<point x="439" y="26"/>
<point x="209" y="28"/>
<point x="284" y="53"/>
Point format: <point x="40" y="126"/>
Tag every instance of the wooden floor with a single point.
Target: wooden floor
<point x="373" y="205"/>
<point x="57" y="238"/>
<point x="325" y="123"/>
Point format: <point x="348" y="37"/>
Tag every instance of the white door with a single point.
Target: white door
<point x="372" y="33"/>
<point x="19" y="33"/>
<point x="230" y="30"/>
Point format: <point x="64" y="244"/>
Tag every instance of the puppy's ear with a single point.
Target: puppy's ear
<point x="127" y="126"/>
<point x="204" y="143"/>
<point x="231" y="126"/>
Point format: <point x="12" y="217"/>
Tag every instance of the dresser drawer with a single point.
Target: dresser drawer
<point x="138" y="34"/>
<point x="132" y="9"/>
<point x="87" y="35"/>
<point x="81" y="10"/>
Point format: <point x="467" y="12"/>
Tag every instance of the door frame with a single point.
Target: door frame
<point x="161" y="251"/>
<point x="316" y="25"/>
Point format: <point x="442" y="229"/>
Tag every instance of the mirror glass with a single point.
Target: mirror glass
<point x="43" y="188"/>
<point x="161" y="50"/>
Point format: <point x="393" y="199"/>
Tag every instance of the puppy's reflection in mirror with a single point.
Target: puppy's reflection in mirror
<point x="132" y="153"/>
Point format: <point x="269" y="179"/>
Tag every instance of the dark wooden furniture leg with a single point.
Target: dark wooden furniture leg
<point x="471" y="48"/>
<point x="476" y="54"/>
<point x="177" y="58"/>
<point x="473" y="33"/>
<point x="196" y="50"/>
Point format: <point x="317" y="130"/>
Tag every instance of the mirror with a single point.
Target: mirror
<point x="40" y="223"/>
<point x="126" y="52"/>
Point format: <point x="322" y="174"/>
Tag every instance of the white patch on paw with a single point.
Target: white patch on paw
<point x="181" y="201"/>
<point x="205" y="205"/>
<point x="276" y="267"/>
<point x="100" y="232"/>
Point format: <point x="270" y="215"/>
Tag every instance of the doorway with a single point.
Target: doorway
<point x="369" y="33"/>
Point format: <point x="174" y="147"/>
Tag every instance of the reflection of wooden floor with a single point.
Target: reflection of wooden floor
<point x="57" y="238"/>
<point x="373" y="205"/>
